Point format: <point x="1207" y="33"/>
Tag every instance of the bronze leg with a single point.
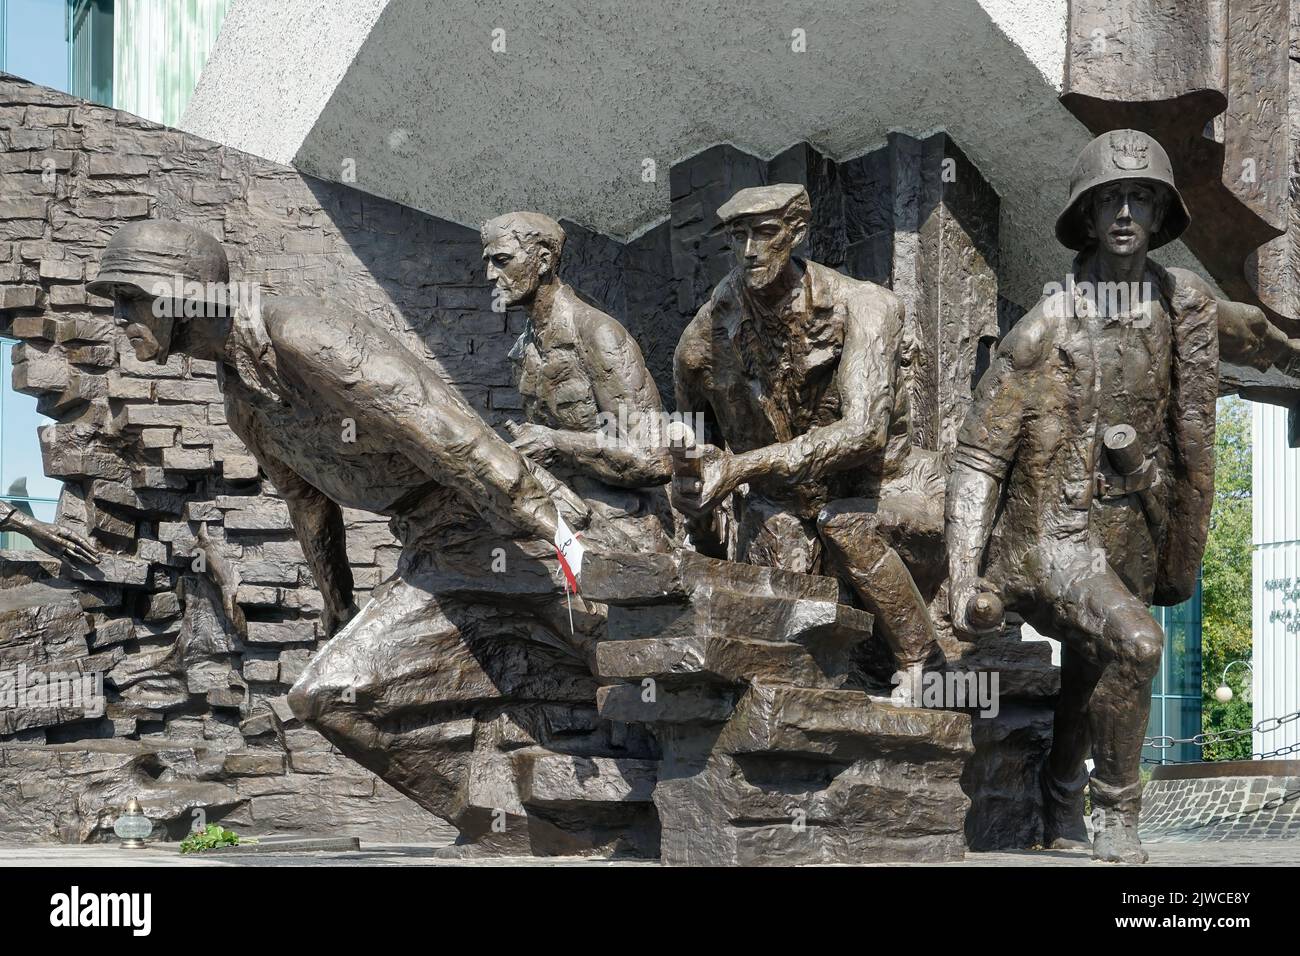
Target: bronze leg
<point x="1111" y="629"/>
<point x="881" y="582"/>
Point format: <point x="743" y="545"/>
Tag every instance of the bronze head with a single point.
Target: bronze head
<point x="161" y="276"/>
<point x="764" y="225"/>
<point x="1122" y="197"/>
<point x="522" y="252"/>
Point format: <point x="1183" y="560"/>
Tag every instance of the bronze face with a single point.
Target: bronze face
<point x="1123" y="216"/>
<point x="763" y="245"/>
<point x="150" y="334"/>
<point x="516" y="268"/>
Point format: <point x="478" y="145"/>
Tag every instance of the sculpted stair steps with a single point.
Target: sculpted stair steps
<point x="750" y="678"/>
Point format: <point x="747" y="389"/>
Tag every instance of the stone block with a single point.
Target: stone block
<point x="552" y="779"/>
<point x="285" y="632"/>
<point x="107" y="164"/>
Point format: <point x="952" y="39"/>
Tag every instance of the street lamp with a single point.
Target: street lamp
<point x="1224" y="693"/>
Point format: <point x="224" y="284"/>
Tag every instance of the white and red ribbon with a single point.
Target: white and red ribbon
<point x="570" y="552"/>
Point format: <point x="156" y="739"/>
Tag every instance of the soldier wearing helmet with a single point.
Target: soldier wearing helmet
<point x="339" y="414"/>
<point x="1083" y="476"/>
<point x="158" y="272"/>
<point x="152" y="256"/>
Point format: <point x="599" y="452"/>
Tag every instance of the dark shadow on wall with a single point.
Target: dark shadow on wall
<point x="654" y="283"/>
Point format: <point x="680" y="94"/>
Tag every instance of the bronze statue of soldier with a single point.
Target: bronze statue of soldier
<point x="338" y="414"/>
<point x="1083" y="475"/>
<point x="797" y="370"/>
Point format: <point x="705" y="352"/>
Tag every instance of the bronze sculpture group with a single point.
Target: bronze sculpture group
<point x="1071" y="511"/>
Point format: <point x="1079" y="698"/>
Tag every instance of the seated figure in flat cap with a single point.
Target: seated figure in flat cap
<point x="797" y="371"/>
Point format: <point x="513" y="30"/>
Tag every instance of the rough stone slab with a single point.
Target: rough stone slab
<point x="1024" y="668"/>
<point x="261" y="670"/>
<point x="187" y="459"/>
<point x="112" y="569"/>
<point x="654" y="657"/>
<point x="741" y="661"/>
<point x="281" y="633"/>
<point x="151" y="416"/>
<point x="658" y="578"/>
<point x="39" y="327"/>
<point x="133" y="389"/>
<point x="631" y="578"/>
<point x="253" y="764"/>
<point x="112" y="631"/>
<point x="623" y="702"/>
<point x="550" y="779"/>
<point x="840" y="723"/>
<point x="780" y="618"/>
<point x="259" y="515"/>
<point x="292" y="845"/>
<point x="1003" y="776"/>
<point x="41" y="613"/>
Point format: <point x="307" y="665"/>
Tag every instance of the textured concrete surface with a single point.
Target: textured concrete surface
<point x="1234" y="853"/>
<point x="583" y="94"/>
<point x="302" y="48"/>
<point x="1037" y="27"/>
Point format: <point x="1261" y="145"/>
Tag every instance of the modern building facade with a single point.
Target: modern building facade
<point x="1275" y="685"/>
<point x="1176" y="693"/>
<point x="141" y="56"/>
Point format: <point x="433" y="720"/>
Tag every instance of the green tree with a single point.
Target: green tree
<point x="1225" y="581"/>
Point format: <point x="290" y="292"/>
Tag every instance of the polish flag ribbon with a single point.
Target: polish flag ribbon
<point x="570" y="551"/>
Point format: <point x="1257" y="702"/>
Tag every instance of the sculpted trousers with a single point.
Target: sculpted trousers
<point x="442" y="675"/>
<point x="1112" y="648"/>
<point x="888" y="550"/>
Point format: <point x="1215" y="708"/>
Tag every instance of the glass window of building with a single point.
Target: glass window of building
<point x="1176" y="693"/>
<point x="23" y="482"/>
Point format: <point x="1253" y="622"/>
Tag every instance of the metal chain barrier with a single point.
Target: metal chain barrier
<point x="1267" y="725"/>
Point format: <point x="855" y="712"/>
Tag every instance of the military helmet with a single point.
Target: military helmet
<point x="153" y="254"/>
<point x="1111" y="157"/>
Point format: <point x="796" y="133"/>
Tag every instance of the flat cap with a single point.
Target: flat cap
<point x="764" y="199"/>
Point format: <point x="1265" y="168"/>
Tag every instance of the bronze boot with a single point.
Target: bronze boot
<point x="1115" y="823"/>
<point x="1063" y="824"/>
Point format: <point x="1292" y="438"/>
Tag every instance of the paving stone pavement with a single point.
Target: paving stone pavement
<point x="1266" y="852"/>
<point x="1222" y="808"/>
